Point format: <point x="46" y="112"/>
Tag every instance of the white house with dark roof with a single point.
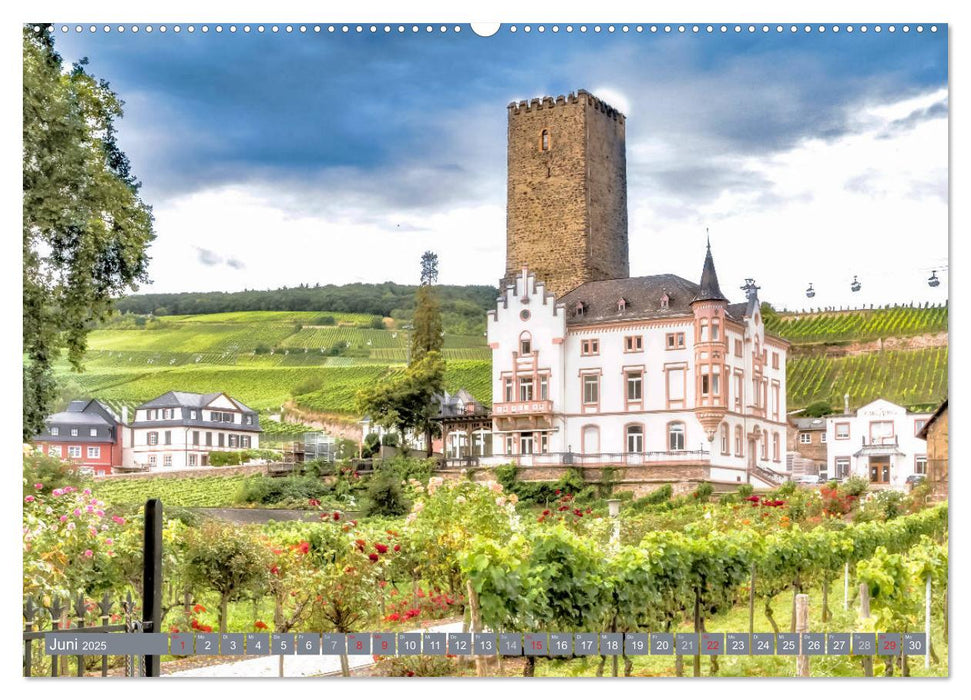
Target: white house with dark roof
<point x="654" y="371"/>
<point x="180" y="429"/>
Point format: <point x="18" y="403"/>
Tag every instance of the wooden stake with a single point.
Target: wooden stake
<point x="846" y="586"/>
<point x="927" y="622"/>
<point x="865" y="613"/>
<point x="802" y="625"/>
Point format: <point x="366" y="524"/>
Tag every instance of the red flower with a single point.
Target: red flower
<point x="546" y="512"/>
<point x="198" y="608"/>
<point x="275" y="570"/>
<point x="173" y="629"/>
<point x="562" y="508"/>
<point x="314" y="502"/>
<point x="577" y="512"/>
<point x="394" y="591"/>
<point x="260" y="625"/>
<point x="382" y="583"/>
<point x="392" y="533"/>
<point x="372" y="556"/>
<point x="360" y="544"/>
<point x="304" y="547"/>
<point x="205" y="628"/>
<point x="393" y="617"/>
<point x="337" y="516"/>
<point x="397" y="548"/>
<point x="557" y="492"/>
<point x="382" y="548"/>
<point x="421" y="593"/>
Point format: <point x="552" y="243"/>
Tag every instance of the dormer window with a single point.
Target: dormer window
<point x="665" y="300"/>
<point x="544" y="140"/>
<point x="621" y="305"/>
<point x="579" y="308"/>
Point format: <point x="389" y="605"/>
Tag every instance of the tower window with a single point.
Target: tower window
<point x="545" y="140"/>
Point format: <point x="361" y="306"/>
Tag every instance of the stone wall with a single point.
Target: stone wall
<point x="566" y="215"/>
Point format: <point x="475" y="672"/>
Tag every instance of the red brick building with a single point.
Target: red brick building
<point x="86" y="433"/>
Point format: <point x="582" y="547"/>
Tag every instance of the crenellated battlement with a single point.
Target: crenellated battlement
<point x="574" y="98"/>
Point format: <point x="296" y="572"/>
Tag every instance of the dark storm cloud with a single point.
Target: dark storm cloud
<point x="378" y="124"/>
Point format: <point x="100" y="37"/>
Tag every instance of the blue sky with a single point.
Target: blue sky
<point x="277" y="159"/>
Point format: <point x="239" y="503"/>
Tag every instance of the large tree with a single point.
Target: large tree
<point x="428" y="333"/>
<point x="86" y="230"/>
<point x="407" y="403"/>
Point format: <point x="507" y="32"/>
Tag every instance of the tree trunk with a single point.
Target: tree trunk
<point x="223" y="613"/>
<point x="751" y="603"/>
<point x="768" y="615"/>
<point x="697" y="659"/>
<point x="601" y="665"/>
<point x="628" y="666"/>
<point x="476" y="625"/>
<point x="529" y="670"/>
<point x="345" y="666"/>
<point x="865" y="613"/>
<point x="826" y="613"/>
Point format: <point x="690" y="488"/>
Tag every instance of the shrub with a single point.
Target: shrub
<point x="51" y="472"/>
<point x="325" y="321"/>
<point x="658" y="496"/>
<point x="855" y="486"/>
<point x="384" y="495"/>
<point x="787" y="489"/>
<point x="377" y="323"/>
<point x="372" y="444"/>
<point x="291" y="490"/>
<point x="704" y="491"/>
<point x="307" y="386"/>
<point x="389" y="440"/>
<point x="261" y="349"/>
<point x="745" y="490"/>
<point x="817" y="409"/>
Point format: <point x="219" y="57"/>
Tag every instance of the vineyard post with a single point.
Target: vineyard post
<point x="846" y="586"/>
<point x="865" y="613"/>
<point x="802" y="626"/>
<point x="751" y="603"/>
<point x="927" y="622"/>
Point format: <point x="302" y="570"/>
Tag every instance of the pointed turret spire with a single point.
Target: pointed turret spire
<point x="709" y="289"/>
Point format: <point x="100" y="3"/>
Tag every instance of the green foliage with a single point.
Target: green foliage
<point x="215" y="491"/>
<point x="225" y="458"/>
<point x="704" y="491"/>
<point x="294" y="491"/>
<point x="745" y="490"/>
<point x="376" y="323"/>
<point x="428" y="334"/>
<point x="857" y="324"/>
<point x="51" y="473"/>
<point x="545" y="492"/>
<point x="384" y="495"/>
<point x="855" y="486"/>
<point x="371" y="445"/>
<point x="817" y="409"/>
<point x="787" y="488"/>
<point x="85" y="229"/>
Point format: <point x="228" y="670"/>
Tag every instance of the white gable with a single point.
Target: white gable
<point x="222" y="402"/>
<point x="881" y="408"/>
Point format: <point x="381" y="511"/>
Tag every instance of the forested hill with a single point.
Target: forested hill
<point x="463" y="307"/>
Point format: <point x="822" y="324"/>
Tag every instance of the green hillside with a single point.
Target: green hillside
<point x="321" y="359"/>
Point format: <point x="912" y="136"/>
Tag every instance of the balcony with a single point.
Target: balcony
<point x="522" y="408"/>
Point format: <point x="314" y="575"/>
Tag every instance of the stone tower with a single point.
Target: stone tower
<point x="566" y="212"/>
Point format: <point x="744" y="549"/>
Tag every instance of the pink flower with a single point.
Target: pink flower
<point x="87" y="492"/>
<point x="90" y="509"/>
<point x="118" y="519"/>
<point x="88" y="553"/>
<point x="108" y="540"/>
<point x="57" y="492"/>
<point x="63" y="518"/>
<point x="29" y="499"/>
<point x="77" y="512"/>
<point x="70" y="526"/>
<point x="69" y="489"/>
<point x="38" y="485"/>
<point x="99" y="513"/>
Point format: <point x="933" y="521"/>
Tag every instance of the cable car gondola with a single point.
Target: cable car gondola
<point x="855" y="287"/>
<point x="933" y="280"/>
<point x="810" y="292"/>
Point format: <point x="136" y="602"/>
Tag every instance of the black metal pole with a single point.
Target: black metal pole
<point x="152" y="577"/>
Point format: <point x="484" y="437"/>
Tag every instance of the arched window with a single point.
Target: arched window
<point x="525" y="343"/>
<point x="545" y="140"/>
<point x="675" y="436"/>
<point x="635" y="438"/>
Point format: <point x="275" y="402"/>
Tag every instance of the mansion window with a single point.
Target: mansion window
<point x="249" y="420"/>
<point x="525" y="344"/>
<point x="675" y="341"/>
<point x="94" y="452"/>
<point x="168" y="437"/>
<point x="710" y="380"/>
<point x="74" y="451"/>
<point x="775" y="447"/>
<point x="544" y="388"/>
<point x="919" y="425"/>
<point x="715" y="328"/>
<point x="93" y="432"/>
<point x="920" y="464"/>
<point x="633" y="343"/>
<point x="153" y="438"/>
<point x="526" y="444"/>
<point x="222" y="439"/>
<point x="192" y="415"/>
<point x="234" y="441"/>
<point x="635" y="438"/>
<point x="195" y="437"/>
<point x="167" y="414"/>
<point x="765" y="446"/>
<point x="738" y="392"/>
<point x="675" y="387"/>
<point x="703" y="331"/>
<point x="775" y="402"/>
<point x="842" y="467"/>
<point x="246" y="441"/>
<point x="507" y="389"/>
<point x="54" y="450"/>
<point x="738" y="441"/>
<point x="167" y="460"/>
<point x="193" y="460"/>
<point x="54" y="430"/>
<point x="775" y="360"/>
<point x="208" y="439"/>
<point x="509" y="445"/>
<point x="525" y="388"/>
<point x="152" y="460"/>
<point x="675" y="436"/>
<point x="805" y="438"/>
<point x="74" y="432"/>
<point x="724" y="438"/>
<point x="738" y="348"/>
<point x="842" y="431"/>
<point x="635" y="385"/>
<point x="591" y="388"/>
<point x="881" y="432"/>
<point x="590" y="347"/>
<point x="822" y="437"/>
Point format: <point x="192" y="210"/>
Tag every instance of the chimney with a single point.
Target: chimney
<point x="124" y="415"/>
<point x="846" y="404"/>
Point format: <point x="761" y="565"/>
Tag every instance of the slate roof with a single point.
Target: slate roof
<point x="82" y="414"/>
<point x="809" y="423"/>
<point x="709" y="289"/>
<point x="186" y="399"/>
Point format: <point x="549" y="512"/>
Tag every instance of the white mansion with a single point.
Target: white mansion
<point x="655" y="371"/>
